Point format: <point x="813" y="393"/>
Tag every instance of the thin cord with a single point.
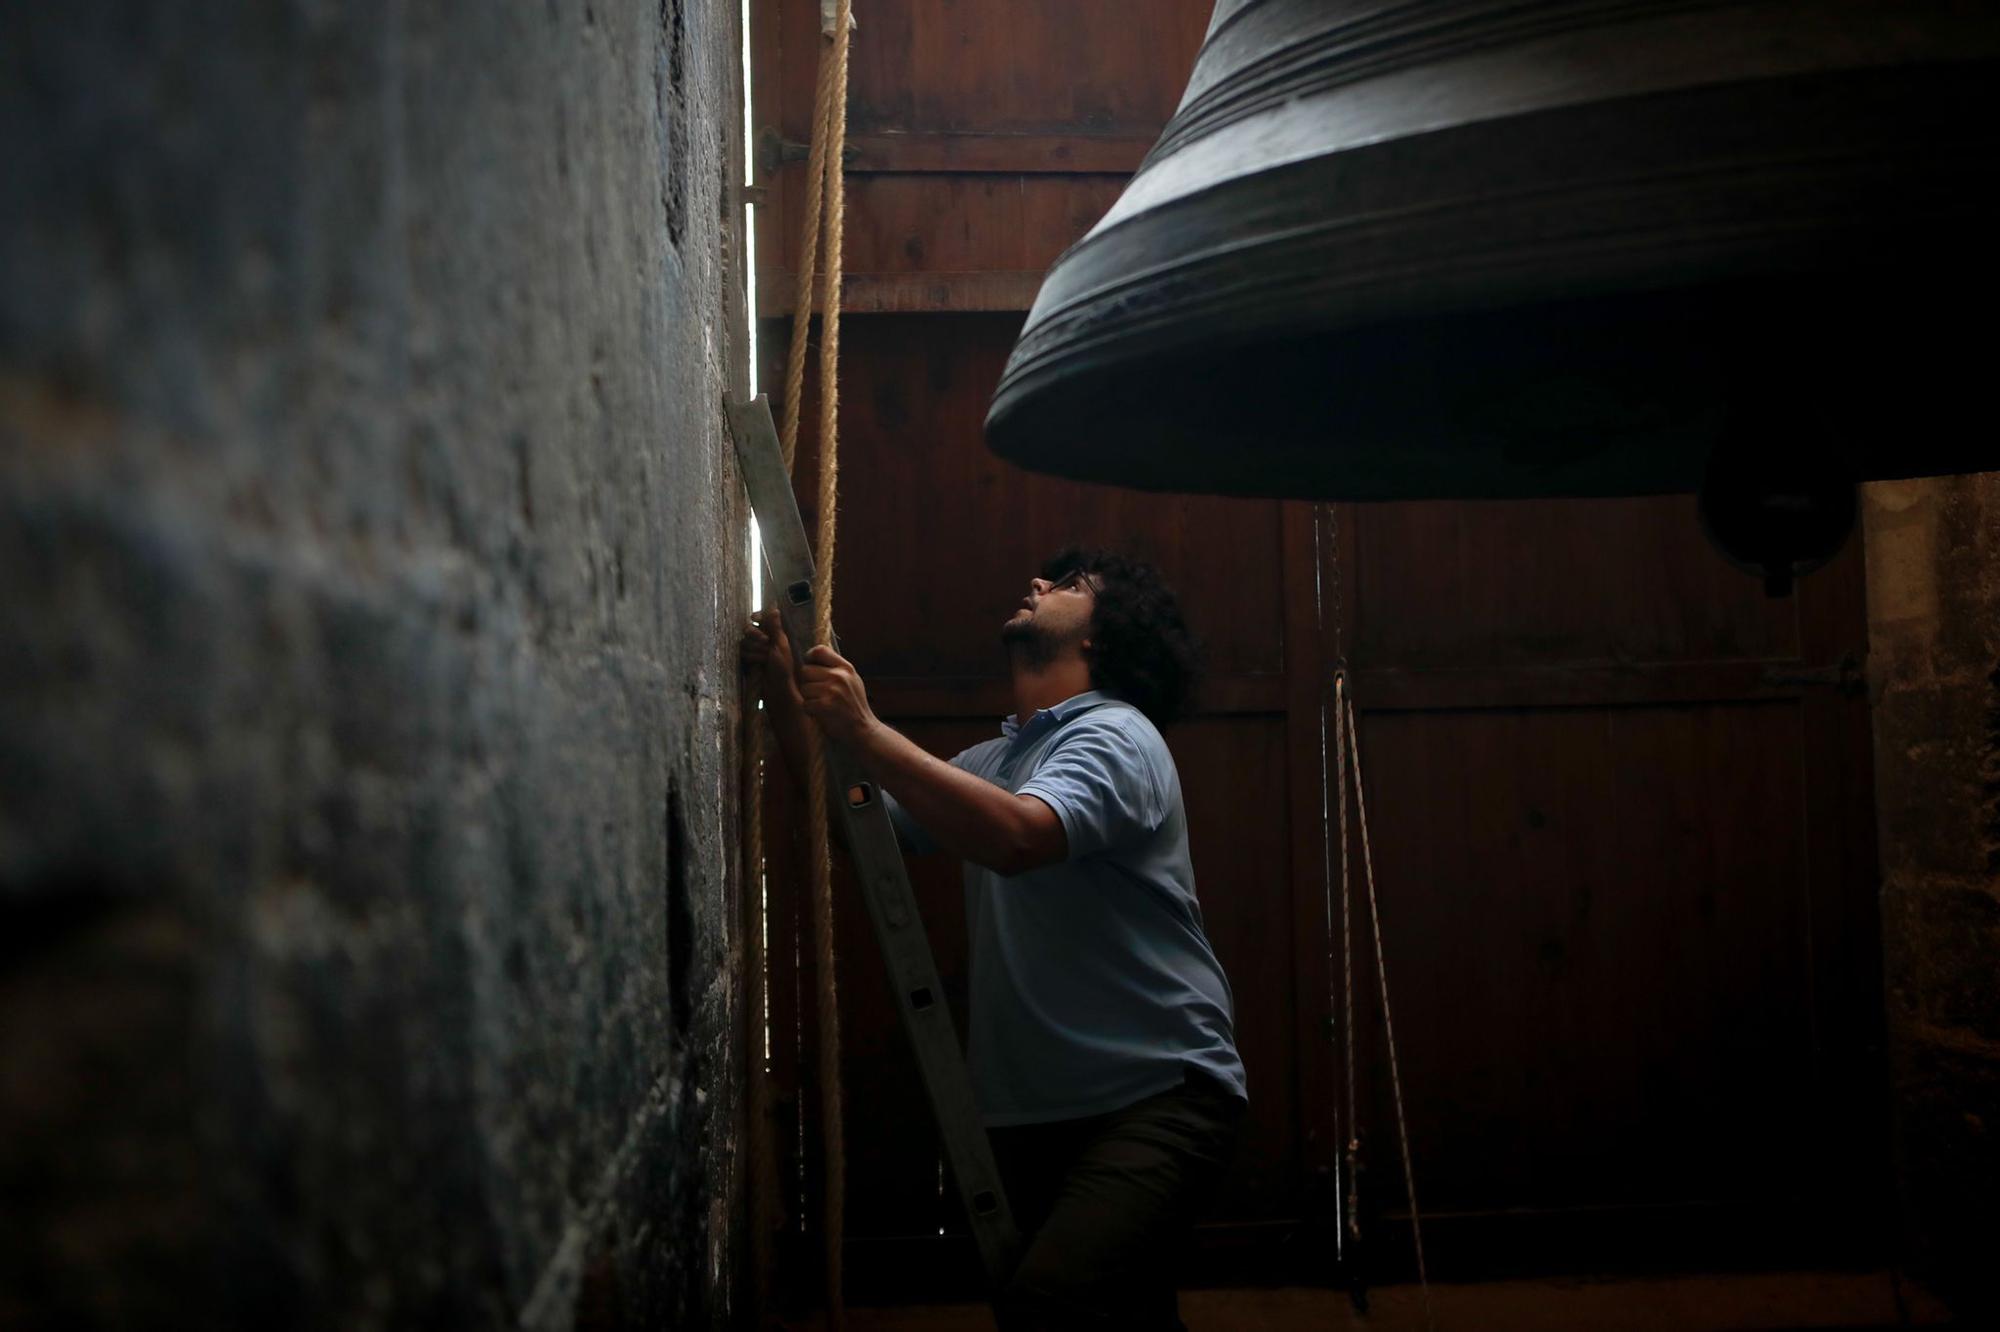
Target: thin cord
<point x="1353" y="1152"/>
<point x="1388" y="1023"/>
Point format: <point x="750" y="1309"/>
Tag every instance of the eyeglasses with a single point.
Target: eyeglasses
<point x="1074" y="579"/>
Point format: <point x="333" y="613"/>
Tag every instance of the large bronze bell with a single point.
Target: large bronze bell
<point x="1490" y="249"/>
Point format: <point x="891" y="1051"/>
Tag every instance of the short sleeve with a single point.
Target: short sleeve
<point x="1103" y="779"/>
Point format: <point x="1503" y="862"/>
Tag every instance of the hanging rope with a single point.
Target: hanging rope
<point x="825" y="210"/>
<point x="1347" y="750"/>
<point x="1347" y="975"/>
<point x="1346" y="754"/>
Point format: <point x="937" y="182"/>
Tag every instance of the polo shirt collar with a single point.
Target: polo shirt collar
<point x="1048" y="718"/>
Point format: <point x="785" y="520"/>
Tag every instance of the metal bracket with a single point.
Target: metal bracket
<point x="829" y="17"/>
<point x="774" y="151"/>
<point x="878" y="863"/>
<point x="1846" y="676"/>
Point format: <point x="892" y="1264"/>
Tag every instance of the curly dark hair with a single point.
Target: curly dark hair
<point x="1141" y="648"/>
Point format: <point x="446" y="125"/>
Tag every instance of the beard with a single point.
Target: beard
<point x="1033" y="645"/>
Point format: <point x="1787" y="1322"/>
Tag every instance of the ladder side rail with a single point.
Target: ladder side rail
<point x="878" y="863"/>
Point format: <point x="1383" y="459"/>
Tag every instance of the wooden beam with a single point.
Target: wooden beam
<point x="1391" y="689"/>
<point x="906" y="153"/>
<point x="962" y="696"/>
<point x="908" y="293"/>
<point x="1397" y="690"/>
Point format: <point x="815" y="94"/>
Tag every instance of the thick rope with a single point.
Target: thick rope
<point x="825" y="205"/>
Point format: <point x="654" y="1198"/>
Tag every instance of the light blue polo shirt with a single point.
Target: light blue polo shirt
<point x="1093" y="985"/>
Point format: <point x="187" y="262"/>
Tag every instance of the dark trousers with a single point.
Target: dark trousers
<point x="1106" y="1204"/>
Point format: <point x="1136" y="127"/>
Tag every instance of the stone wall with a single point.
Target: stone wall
<point x="369" y="572"/>
<point x="1934" y="647"/>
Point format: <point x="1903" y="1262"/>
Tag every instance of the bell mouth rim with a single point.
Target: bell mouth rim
<point x="1547" y="210"/>
<point x="1798" y="235"/>
<point x="1610" y="395"/>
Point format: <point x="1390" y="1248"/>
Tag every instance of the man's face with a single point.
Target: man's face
<point x="1053" y="616"/>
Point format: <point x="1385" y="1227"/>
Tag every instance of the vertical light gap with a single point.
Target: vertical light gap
<point x="750" y="278"/>
<point x="749" y="207"/>
<point x="750" y="289"/>
<point x="749" y="155"/>
<point x="756" y="551"/>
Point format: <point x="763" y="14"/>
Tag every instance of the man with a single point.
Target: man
<point x="1101" y="1044"/>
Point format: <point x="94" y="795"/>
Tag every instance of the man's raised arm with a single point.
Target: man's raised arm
<point x="966" y="815"/>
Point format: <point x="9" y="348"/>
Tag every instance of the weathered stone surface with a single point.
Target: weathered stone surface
<point x="1934" y="643"/>
<point x="369" y="568"/>
<point x="1948" y="1121"/>
<point x="1929" y="776"/>
<point x="1942" y="945"/>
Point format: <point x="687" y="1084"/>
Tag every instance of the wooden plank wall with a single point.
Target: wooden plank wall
<point x="1626" y="853"/>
